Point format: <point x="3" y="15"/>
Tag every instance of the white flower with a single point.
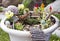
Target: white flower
<point x="20" y="6"/>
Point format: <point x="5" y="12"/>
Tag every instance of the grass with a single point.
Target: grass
<point x="3" y="36"/>
<point x="55" y="38"/>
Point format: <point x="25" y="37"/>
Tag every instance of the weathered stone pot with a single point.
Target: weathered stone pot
<point x="17" y="35"/>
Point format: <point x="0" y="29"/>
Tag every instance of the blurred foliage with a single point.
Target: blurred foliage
<point x="26" y="2"/>
<point x="1" y="9"/>
<point x="20" y="1"/>
<point x="58" y="16"/>
<point x="55" y="38"/>
<point x="30" y="3"/>
<point x="3" y="36"/>
<point x="49" y="1"/>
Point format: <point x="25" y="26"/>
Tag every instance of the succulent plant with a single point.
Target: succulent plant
<point x="19" y="26"/>
<point x="32" y="21"/>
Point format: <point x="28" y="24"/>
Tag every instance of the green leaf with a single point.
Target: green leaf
<point x="26" y="2"/>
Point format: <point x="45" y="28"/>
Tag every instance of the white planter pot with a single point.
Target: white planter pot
<point x="17" y="35"/>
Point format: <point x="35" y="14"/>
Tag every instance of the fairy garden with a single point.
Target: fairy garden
<point x="29" y="18"/>
<point x="21" y="18"/>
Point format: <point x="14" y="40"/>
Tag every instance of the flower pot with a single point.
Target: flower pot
<point x="17" y="35"/>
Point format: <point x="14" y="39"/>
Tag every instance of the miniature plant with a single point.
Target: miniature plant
<point x="22" y="9"/>
<point x="32" y="21"/>
<point x="18" y="26"/>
